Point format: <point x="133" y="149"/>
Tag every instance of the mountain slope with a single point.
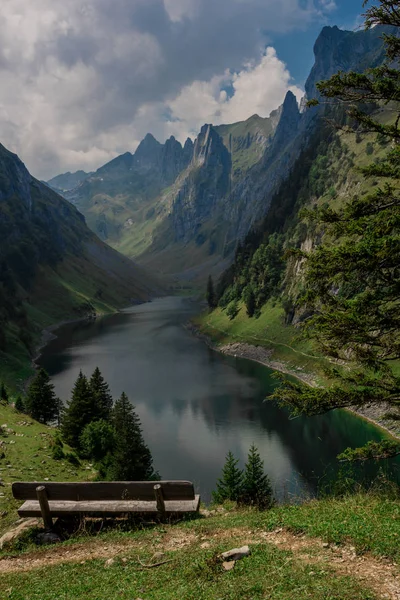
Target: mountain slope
<point x="182" y="211"/>
<point x="67" y="181"/>
<point x="52" y="267"/>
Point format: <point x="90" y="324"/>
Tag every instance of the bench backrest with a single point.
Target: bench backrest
<point x="105" y="490"/>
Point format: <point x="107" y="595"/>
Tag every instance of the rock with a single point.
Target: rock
<point x="158" y="556"/>
<point x="228" y="565"/>
<point x="325" y="545"/>
<point x="236" y="553"/>
<point x="48" y="537"/>
<point x="13" y="534"/>
<point x="109" y="562"/>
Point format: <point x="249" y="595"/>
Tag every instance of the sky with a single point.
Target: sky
<point x="84" y="80"/>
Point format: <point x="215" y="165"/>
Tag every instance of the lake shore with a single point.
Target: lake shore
<point x="372" y="413"/>
<point x="48" y="334"/>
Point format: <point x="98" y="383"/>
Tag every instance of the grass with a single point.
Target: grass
<point x="28" y="457"/>
<point x="269" y="331"/>
<point x="194" y="574"/>
<point x="296" y="569"/>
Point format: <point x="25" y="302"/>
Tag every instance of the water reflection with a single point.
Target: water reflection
<point x="196" y="404"/>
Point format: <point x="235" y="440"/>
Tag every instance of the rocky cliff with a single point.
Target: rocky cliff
<point x="183" y="210"/>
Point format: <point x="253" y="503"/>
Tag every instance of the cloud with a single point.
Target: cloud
<point x="259" y="87"/>
<point x="83" y="80"/>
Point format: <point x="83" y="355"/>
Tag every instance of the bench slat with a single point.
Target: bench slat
<point x="101" y="508"/>
<point x="106" y="490"/>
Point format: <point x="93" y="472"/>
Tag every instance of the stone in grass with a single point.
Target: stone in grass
<point x="236" y="553"/>
<point x="109" y="562"/>
<point x="48" y="537"/>
<point x="228" y="565"/>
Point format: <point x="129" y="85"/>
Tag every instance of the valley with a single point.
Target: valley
<point x="216" y="303"/>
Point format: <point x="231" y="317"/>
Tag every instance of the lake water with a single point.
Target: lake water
<point x="196" y="404"/>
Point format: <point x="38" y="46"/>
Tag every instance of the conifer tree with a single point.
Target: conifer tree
<point x="131" y="459"/>
<point x="41" y="403"/>
<point x="80" y="411"/>
<point x="101" y="395"/>
<point x="3" y="394"/>
<point x="19" y="404"/>
<point x="250" y="301"/>
<point x="352" y="279"/>
<point x="210" y="294"/>
<point x="229" y="486"/>
<point x="256" y="488"/>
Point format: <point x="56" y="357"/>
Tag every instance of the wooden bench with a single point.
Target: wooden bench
<point x="105" y="499"/>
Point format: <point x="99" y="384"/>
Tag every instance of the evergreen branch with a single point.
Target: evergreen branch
<point x="371" y="451"/>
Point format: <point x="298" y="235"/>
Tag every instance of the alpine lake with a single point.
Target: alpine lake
<point x="195" y="404"/>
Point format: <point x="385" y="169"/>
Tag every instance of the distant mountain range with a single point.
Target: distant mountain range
<point x="182" y="209"/>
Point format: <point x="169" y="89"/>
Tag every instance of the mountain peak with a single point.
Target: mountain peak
<point x="149" y="138"/>
<point x="340" y="50"/>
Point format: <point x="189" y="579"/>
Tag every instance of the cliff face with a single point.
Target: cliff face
<point x="337" y="50"/>
<point x="206" y="180"/>
<point x="194" y="203"/>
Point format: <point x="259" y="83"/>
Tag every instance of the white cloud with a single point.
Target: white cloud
<point x="83" y="81"/>
<point x="258" y="88"/>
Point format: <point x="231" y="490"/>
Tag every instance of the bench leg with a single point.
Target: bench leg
<point x="160" y="500"/>
<point x="44" y="507"/>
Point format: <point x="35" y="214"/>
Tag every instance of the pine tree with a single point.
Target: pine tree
<point x="210" y="294"/>
<point x="250" y="301"/>
<point x="41" y="403"/>
<point x="19" y="404"/>
<point x="80" y="411"/>
<point x="256" y="488"/>
<point x="3" y="394"/>
<point x="101" y="395"/>
<point x="131" y="459"/>
<point x="352" y="279"/>
<point x="229" y="486"/>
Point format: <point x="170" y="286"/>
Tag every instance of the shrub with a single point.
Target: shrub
<point x="232" y="309"/>
<point x="369" y="148"/>
<point x="58" y="453"/>
<point x="73" y="459"/>
<point x="97" y="440"/>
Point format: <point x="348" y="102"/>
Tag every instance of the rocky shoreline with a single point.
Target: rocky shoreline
<point x="48" y="334"/>
<point x="372" y="413"/>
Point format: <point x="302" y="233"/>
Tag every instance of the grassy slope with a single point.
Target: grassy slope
<point x="269" y="331"/>
<point x="57" y="269"/>
<point x="28" y="458"/>
<point x="63" y="294"/>
<point x="236" y="137"/>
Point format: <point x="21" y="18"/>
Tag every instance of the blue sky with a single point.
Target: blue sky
<point x="296" y="48"/>
<point x="85" y="81"/>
